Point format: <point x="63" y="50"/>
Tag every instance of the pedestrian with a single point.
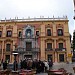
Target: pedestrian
<point x="50" y="64"/>
<point x="46" y="66"/>
<point x="4" y="65"/>
<point x="21" y="64"/>
<point x="42" y="66"/>
<point x="15" y="65"/>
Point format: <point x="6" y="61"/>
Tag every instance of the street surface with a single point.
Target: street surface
<point x="56" y="66"/>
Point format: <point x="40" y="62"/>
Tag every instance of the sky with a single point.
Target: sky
<point x="37" y="8"/>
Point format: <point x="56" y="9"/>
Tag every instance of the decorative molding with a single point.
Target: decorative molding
<point x="9" y="27"/>
<point x="62" y="39"/>
<point x="8" y="40"/>
<point x="59" y="25"/>
<point x="48" y="26"/>
<point x="1" y="27"/>
<point x="49" y="39"/>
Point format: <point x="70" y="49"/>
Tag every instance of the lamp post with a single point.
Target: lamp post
<point x="15" y="53"/>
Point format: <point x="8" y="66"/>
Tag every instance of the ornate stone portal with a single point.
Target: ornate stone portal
<point x="28" y="44"/>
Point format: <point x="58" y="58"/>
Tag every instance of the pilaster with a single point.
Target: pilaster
<point x="55" y="51"/>
<point x="42" y="49"/>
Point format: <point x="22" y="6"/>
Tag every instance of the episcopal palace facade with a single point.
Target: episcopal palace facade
<point x="35" y="38"/>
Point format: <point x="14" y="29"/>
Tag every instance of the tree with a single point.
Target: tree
<point x="70" y="37"/>
<point x="74" y="43"/>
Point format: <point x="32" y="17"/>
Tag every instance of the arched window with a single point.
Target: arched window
<point x="60" y="32"/>
<point x="9" y="33"/>
<point x="28" y="33"/>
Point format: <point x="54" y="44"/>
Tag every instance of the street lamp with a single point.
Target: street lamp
<point x="15" y="53"/>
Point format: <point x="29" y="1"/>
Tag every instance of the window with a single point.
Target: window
<point x="0" y="33"/>
<point x="9" y="33"/>
<point x="37" y="33"/>
<point x="48" y="32"/>
<point x="28" y="46"/>
<point x="28" y="33"/>
<point x="49" y="45"/>
<point x="60" y="32"/>
<point x="19" y="34"/>
<point x="60" y="45"/>
<point x="8" y="57"/>
<point x="8" y="47"/>
<point x="61" y="57"/>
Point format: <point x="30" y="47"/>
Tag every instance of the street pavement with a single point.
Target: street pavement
<point x="66" y="66"/>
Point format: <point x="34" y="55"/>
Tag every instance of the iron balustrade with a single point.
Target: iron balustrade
<point x="24" y="50"/>
<point x="60" y="49"/>
<point x="49" y="49"/>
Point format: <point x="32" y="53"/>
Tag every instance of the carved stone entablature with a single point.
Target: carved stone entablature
<point x="49" y="40"/>
<point x="1" y="27"/>
<point x="8" y="40"/>
<point x="59" y="25"/>
<point x="9" y="27"/>
<point x="48" y="26"/>
<point x="60" y="39"/>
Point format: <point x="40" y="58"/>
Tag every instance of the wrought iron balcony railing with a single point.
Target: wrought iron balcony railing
<point x="23" y="50"/>
<point x="60" y="49"/>
<point x="49" y="49"/>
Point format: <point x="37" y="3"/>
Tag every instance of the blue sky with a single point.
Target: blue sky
<point x="37" y="8"/>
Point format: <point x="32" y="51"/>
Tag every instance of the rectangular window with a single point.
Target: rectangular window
<point x="8" y="47"/>
<point x="0" y="33"/>
<point x="28" y="46"/>
<point x="61" y="57"/>
<point x="60" y="32"/>
<point x="60" y="45"/>
<point x="9" y="33"/>
<point x="49" y="45"/>
<point x="48" y="32"/>
<point x="37" y="33"/>
<point x="19" y="34"/>
<point x="8" y="58"/>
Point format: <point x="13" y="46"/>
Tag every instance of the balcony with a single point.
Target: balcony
<point x="60" y="49"/>
<point x="24" y="50"/>
<point x="49" y="50"/>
